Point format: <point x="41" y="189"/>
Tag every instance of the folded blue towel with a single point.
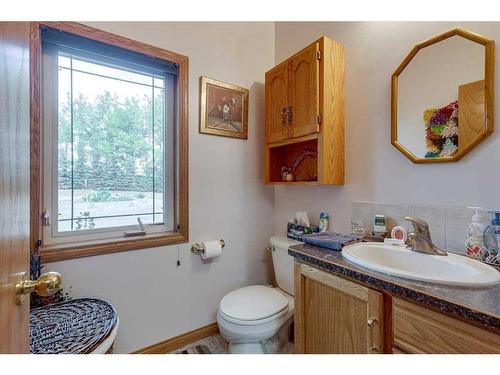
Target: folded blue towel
<point x="331" y="240"/>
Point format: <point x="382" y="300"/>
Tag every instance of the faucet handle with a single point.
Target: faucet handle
<point x="419" y="225"/>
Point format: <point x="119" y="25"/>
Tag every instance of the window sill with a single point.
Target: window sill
<point x="54" y="253"/>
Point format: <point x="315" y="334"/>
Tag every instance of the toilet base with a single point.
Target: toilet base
<point x="254" y="338"/>
<point x="246" y="348"/>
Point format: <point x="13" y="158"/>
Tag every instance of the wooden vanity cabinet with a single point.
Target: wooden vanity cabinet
<point x="418" y="329"/>
<point x="305" y="111"/>
<point x="334" y="315"/>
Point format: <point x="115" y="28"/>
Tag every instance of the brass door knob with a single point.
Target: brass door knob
<point x="46" y="285"/>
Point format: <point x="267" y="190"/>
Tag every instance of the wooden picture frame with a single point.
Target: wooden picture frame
<point x="489" y="93"/>
<point x="223" y="109"/>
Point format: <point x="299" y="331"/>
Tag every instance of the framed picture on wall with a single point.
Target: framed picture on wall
<point x="223" y="109"/>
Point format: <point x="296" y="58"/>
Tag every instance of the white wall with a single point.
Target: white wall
<point x="375" y="170"/>
<point x="156" y="299"/>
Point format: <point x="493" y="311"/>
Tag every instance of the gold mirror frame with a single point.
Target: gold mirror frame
<point x="489" y="62"/>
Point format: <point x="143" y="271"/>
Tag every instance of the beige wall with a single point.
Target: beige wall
<point x="156" y="299"/>
<point x="375" y="170"/>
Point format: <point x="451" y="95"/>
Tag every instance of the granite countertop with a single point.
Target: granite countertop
<point x="480" y="306"/>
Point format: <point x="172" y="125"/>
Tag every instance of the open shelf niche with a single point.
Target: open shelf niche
<point x="299" y="158"/>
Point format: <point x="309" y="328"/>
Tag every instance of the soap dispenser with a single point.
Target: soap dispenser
<point x="492" y="235"/>
<point x="475" y="236"/>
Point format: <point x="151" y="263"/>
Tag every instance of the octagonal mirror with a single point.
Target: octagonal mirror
<point x="442" y="97"/>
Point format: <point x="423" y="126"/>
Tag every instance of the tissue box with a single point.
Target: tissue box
<point x="296" y="231"/>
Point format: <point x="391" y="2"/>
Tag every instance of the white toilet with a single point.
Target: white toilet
<point x="250" y="315"/>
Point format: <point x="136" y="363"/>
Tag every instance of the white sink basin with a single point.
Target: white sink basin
<point x="398" y="261"/>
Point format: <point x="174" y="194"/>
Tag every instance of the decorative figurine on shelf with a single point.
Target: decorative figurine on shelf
<point x="287" y="173"/>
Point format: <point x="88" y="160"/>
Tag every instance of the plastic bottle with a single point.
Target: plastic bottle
<point x="323" y="222"/>
<point x="474" y="239"/>
<point x="492" y="234"/>
<point x="379" y="227"/>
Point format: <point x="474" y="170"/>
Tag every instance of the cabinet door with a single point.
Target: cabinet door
<point x="304" y="92"/>
<point x="277" y="104"/>
<point x="334" y="315"/>
<point x="418" y="329"/>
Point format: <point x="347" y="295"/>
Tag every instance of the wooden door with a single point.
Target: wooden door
<point x="471" y="112"/>
<point x="336" y="316"/>
<point x="277" y="104"/>
<point x="304" y="92"/>
<point x="14" y="182"/>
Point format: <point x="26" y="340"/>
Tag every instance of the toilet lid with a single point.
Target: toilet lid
<point x="253" y="302"/>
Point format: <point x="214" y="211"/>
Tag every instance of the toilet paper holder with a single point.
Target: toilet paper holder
<point x="197" y="248"/>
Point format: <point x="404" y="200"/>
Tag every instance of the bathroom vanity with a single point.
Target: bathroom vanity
<point x="344" y="308"/>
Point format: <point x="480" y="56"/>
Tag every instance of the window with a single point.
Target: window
<point x="110" y="161"/>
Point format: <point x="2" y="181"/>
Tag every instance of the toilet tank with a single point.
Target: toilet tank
<point x="283" y="263"/>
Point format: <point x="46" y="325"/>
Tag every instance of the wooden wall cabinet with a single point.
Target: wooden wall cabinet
<point x="334" y="315"/>
<point x="305" y="111"/>
<point x="277" y="104"/>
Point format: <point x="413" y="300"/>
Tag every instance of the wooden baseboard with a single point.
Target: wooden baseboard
<point x="177" y="342"/>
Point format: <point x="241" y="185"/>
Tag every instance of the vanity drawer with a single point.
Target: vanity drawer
<point x="421" y="330"/>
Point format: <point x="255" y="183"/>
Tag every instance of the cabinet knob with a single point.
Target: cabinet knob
<point x="371" y="322"/>
<point x="371" y="347"/>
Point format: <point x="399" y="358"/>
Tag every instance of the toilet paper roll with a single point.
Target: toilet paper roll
<point x="211" y="249"/>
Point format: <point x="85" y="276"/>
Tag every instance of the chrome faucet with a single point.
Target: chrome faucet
<point x="420" y="239"/>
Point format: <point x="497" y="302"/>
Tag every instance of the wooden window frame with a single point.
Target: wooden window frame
<point x="78" y="250"/>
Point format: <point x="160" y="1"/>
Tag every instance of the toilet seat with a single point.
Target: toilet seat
<point x="253" y="322"/>
<point x="253" y="305"/>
